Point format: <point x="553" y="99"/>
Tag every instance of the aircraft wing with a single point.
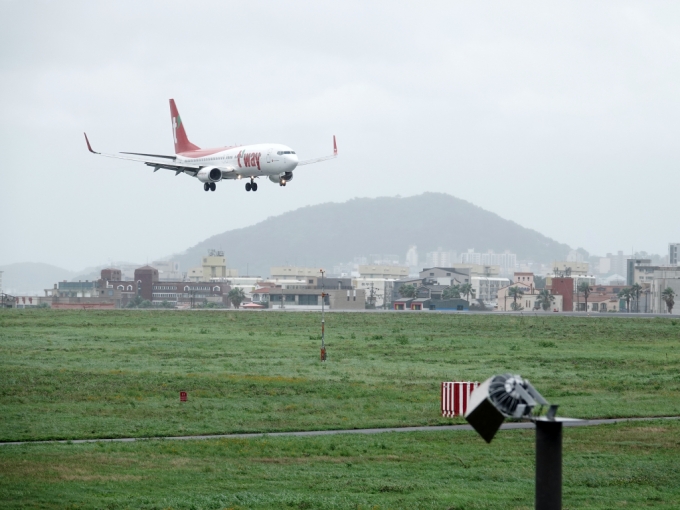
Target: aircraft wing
<point x="324" y="158"/>
<point x="156" y="161"/>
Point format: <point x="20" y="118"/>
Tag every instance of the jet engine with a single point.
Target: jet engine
<point x="282" y="178"/>
<point x="209" y="174"/>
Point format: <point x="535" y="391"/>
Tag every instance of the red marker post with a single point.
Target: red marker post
<point x="323" y="317"/>
<point x="182" y="396"/>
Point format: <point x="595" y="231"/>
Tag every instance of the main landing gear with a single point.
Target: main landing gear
<point x="210" y="186"/>
<point x="252" y="185"/>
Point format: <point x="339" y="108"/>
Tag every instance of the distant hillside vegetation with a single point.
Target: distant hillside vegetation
<point x="31" y="277"/>
<point x="327" y="234"/>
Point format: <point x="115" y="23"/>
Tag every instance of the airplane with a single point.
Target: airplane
<point x="211" y="166"/>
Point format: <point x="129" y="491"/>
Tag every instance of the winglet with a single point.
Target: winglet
<point x="335" y="147"/>
<point x="89" y="147"/>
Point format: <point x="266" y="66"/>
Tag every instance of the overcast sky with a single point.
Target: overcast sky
<point x="561" y="116"/>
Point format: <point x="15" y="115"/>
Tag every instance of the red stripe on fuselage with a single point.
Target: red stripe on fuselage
<point x="205" y="152"/>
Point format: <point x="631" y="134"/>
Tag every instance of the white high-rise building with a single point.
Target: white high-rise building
<point x="168" y="270"/>
<point x="441" y="258"/>
<point x="574" y="256"/>
<point x="412" y="256"/>
<point x="506" y="261"/>
<point x="673" y="251"/>
<point x="471" y="257"/>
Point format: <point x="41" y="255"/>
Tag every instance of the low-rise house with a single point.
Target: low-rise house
<point x="309" y="299"/>
<point x="431" y="283"/>
<point x="425" y="303"/>
<point x="602" y="298"/>
<point x="421" y="304"/>
<point x="379" y="291"/>
<point x="382" y="271"/>
<point x="403" y="303"/>
<point x="293" y="272"/>
<point x="446" y="276"/>
<point x="459" y="305"/>
<point x="668" y="277"/>
<point x="529" y="300"/>
<point x="603" y="303"/>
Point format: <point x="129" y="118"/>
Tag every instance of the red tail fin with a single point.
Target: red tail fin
<point x="182" y="143"/>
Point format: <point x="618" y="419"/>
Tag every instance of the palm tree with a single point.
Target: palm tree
<point x="584" y="288"/>
<point x="135" y="302"/>
<point x="452" y="292"/>
<point x="668" y="295"/>
<point x="236" y="296"/>
<point x="514" y="293"/>
<point x="408" y="291"/>
<point x="545" y="299"/>
<point x="636" y="290"/>
<point x="626" y="294"/>
<point x="466" y="290"/>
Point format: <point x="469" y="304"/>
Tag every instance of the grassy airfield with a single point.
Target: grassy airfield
<point x="70" y="375"/>
<point x="631" y="465"/>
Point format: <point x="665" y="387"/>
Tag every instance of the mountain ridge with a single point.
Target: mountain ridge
<point x="32" y="277"/>
<point x="335" y="232"/>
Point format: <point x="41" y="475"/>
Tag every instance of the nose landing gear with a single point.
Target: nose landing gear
<point x="252" y="185"/>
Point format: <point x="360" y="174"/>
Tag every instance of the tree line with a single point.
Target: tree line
<point x="411" y="291"/>
<point x="236" y="296"/>
<point x="629" y="294"/>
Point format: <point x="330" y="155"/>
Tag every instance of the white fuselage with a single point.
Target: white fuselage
<point x="210" y="166"/>
<point x="249" y="161"/>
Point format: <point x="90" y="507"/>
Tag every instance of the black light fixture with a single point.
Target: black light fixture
<point x="510" y="396"/>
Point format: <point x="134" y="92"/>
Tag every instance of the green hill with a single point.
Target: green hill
<point x="331" y="233"/>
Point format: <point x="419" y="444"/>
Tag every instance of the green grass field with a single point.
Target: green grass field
<point x="114" y="374"/>
<point x="94" y="374"/>
<point x="632" y="465"/>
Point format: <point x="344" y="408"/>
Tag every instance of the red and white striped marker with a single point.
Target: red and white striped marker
<point x="455" y="396"/>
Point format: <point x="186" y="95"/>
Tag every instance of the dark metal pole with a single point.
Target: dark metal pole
<point x="323" y="317"/>
<point x="548" y="465"/>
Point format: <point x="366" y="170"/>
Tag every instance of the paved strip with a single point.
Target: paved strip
<point x="439" y="428"/>
<point x="525" y="313"/>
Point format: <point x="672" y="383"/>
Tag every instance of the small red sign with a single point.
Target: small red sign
<point x="182" y="396"/>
